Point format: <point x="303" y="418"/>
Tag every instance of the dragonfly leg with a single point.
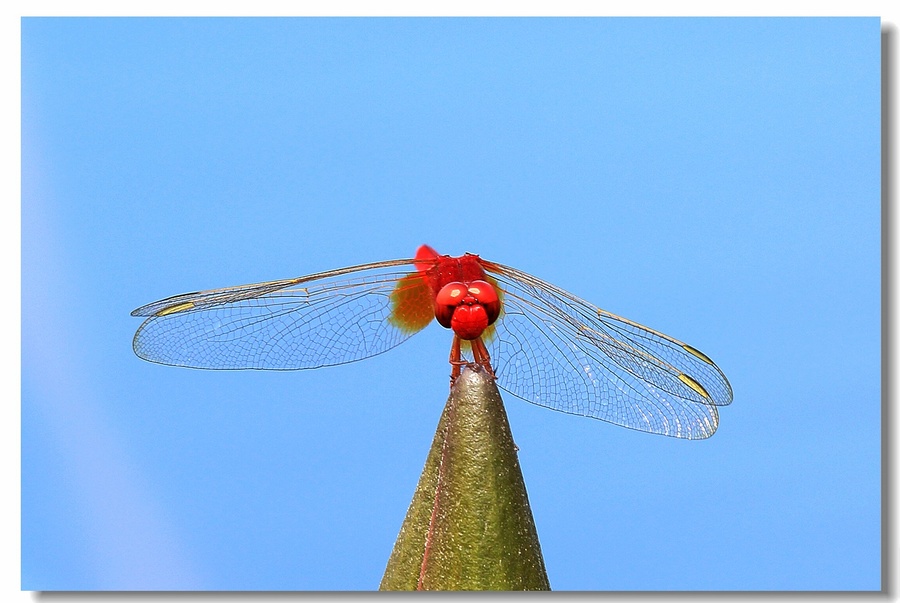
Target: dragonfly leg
<point x="456" y="361"/>
<point x="481" y="356"/>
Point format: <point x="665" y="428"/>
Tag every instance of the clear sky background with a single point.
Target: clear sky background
<point x="717" y="180"/>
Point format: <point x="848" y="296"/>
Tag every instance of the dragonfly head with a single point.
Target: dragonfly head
<point x="467" y="308"/>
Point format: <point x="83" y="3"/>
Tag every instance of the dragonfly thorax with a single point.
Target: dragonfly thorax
<point x="467" y="308"/>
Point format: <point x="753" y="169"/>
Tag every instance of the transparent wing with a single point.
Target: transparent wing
<point x="318" y="320"/>
<point x="556" y="350"/>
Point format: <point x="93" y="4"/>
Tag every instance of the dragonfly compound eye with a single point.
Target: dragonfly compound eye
<point x="448" y="298"/>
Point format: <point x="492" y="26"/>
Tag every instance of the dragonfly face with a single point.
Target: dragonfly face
<point x="467" y="308"/>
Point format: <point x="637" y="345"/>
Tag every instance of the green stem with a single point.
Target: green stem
<point x="469" y="526"/>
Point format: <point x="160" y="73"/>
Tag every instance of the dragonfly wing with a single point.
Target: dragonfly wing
<point x="556" y="350"/>
<point x="319" y="320"/>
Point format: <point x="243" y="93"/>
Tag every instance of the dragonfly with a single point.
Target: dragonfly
<point x="541" y="343"/>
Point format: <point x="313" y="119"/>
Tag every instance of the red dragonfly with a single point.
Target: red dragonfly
<point x="543" y="344"/>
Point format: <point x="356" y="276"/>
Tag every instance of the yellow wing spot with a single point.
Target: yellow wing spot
<point x="692" y="383"/>
<point x="175" y="308"/>
<point x="697" y="353"/>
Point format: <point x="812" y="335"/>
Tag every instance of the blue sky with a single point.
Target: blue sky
<point x="717" y="180"/>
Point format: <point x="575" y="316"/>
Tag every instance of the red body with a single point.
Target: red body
<point x="464" y="300"/>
